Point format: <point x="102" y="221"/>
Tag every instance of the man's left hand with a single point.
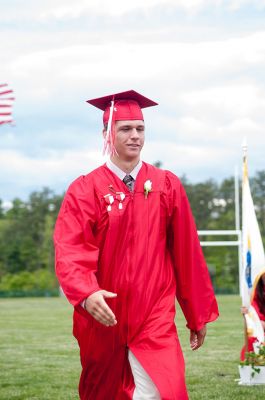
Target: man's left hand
<point x="197" y="338"/>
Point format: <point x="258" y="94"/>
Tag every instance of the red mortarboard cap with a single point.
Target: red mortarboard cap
<point x="103" y="102"/>
<point x="124" y="106"/>
<point x="127" y="105"/>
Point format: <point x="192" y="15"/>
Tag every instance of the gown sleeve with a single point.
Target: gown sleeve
<point x="194" y="288"/>
<point x="76" y="252"/>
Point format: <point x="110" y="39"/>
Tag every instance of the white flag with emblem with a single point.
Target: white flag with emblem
<point x="253" y="262"/>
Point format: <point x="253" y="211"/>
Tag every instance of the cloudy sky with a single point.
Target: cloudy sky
<point x="203" y="61"/>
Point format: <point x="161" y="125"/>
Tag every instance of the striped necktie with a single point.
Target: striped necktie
<point x="129" y="182"/>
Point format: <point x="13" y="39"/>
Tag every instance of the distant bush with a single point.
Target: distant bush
<point x="39" y="280"/>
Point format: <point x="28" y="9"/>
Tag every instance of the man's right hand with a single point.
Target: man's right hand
<point x="98" y="308"/>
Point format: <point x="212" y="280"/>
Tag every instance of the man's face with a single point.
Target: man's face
<point x="129" y="139"/>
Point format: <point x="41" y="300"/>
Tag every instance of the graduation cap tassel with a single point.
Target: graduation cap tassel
<point x="109" y="138"/>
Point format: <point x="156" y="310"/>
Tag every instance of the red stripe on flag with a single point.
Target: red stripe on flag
<point x="6" y="122"/>
<point x="6" y="103"/>
<point x="6" y="92"/>
<point x="7" y="98"/>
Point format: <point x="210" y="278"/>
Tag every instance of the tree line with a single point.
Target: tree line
<point x="26" y="230"/>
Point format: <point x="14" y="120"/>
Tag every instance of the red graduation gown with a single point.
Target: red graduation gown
<point x="148" y="253"/>
<point x="252" y="339"/>
<point x="255" y="304"/>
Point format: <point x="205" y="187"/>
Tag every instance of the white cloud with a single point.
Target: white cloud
<point x="121" y="7"/>
<point x="50" y="10"/>
<point x="190" y="159"/>
<point x="113" y="65"/>
<point x="68" y="10"/>
<point x="237" y="4"/>
<point x="234" y="101"/>
<point x="57" y="168"/>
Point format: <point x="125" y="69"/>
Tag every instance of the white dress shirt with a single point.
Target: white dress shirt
<point x="120" y="173"/>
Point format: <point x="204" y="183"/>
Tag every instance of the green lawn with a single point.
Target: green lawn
<point x="39" y="357"/>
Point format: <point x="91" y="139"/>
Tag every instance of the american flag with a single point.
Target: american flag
<point x="6" y="103"/>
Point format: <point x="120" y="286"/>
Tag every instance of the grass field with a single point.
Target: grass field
<point x="39" y="357"/>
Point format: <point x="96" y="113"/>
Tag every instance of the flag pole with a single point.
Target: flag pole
<point x="244" y="176"/>
<point x="237" y="225"/>
<point x="244" y="181"/>
<point x="237" y="208"/>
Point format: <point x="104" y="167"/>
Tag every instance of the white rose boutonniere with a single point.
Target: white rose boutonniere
<point x="147" y="188"/>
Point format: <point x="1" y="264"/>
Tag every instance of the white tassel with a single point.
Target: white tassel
<point x="108" y="148"/>
<point x="110" y="117"/>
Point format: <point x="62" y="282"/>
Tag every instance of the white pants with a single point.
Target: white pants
<point x="145" y="389"/>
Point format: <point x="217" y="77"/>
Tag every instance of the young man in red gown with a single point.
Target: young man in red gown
<point x="126" y="248"/>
